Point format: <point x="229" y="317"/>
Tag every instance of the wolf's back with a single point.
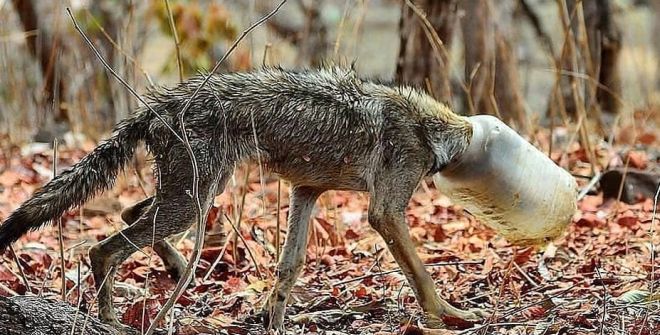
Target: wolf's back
<point x="95" y="172"/>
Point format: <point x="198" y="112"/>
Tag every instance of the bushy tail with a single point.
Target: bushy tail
<point x="95" y="172"/>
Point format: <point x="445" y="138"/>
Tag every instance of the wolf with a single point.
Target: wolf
<point x="322" y="129"/>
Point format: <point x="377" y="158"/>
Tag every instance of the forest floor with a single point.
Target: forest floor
<point x="600" y="277"/>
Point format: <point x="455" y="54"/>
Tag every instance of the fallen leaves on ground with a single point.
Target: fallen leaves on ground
<point x="600" y="276"/>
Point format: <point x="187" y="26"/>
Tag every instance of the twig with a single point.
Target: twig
<point x="439" y="48"/>
<point x="59" y="228"/>
<point x="506" y="279"/>
<point x="378" y="274"/>
<point x="176" y="39"/>
<point x="186" y="277"/>
<point x="591" y="68"/>
<point x="145" y="296"/>
<point x="571" y="139"/>
<point x="217" y="259"/>
<point x="119" y="78"/>
<point x="602" y="323"/>
<point x="432" y="35"/>
<point x="358" y="27"/>
<point x="265" y="61"/>
<point x="551" y="112"/>
<point x="570" y="49"/>
<point x="247" y="247"/>
<point x="652" y="236"/>
<point x="491" y="94"/>
<point x="80" y="299"/>
<point x="467" y="88"/>
<point x="17" y="37"/>
<point x="590" y="79"/>
<point x="239" y="210"/>
<point x="557" y="92"/>
<point x="535" y="21"/>
<point x="134" y="93"/>
<point x="20" y="269"/>
<point x="277" y="219"/>
<point x="621" y="185"/>
<point x="139" y="179"/>
<point x="8" y="290"/>
<point x="340" y="30"/>
<point x="261" y="168"/>
<point x="584" y="131"/>
<point x="130" y="58"/>
<point x="43" y="284"/>
<point x="239" y="214"/>
<point x="525" y="275"/>
<point x="111" y="270"/>
<point x="81" y="229"/>
<point x="170" y="331"/>
<point x="188" y="273"/>
<point x="525" y="324"/>
<point x="591" y="184"/>
<point x="520" y="309"/>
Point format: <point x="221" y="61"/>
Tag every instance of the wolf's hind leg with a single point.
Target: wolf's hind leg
<point x="174" y="262"/>
<point x="172" y="211"/>
<point x="131" y="214"/>
<point x="301" y="201"/>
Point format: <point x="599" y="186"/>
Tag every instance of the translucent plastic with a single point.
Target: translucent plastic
<point x="509" y="185"/>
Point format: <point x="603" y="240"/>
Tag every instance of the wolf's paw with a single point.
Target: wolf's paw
<point x="474" y="315"/>
<point x="272" y="316"/>
<point x="455" y="317"/>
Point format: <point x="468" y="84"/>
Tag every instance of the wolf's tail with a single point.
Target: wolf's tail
<point x="95" y="172"/>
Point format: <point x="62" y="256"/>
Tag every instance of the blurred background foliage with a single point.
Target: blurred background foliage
<point x="534" y="63"/>
<point x="199" y="28"/>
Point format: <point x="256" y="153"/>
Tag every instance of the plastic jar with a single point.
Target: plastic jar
<point x="509" y="185"/>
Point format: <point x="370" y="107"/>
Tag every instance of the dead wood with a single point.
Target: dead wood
<point x="637" y="184"/>
<point x="29" y="315"/>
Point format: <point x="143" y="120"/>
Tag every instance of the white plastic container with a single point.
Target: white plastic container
<point x="509" y="185"/>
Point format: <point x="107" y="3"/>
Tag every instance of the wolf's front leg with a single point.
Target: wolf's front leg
<point x="301" y="203"/>
<point x="386" y="215"/>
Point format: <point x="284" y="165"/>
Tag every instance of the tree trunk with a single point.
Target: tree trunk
<point x="604" y="37"/>
<point x="597" y="57"/>
<point x="508" y="94"/>
<point x="43" y="47"/>
<point x="491" y="68"/>
<point x="27" y="315"/>
<point x="418" y="62"/>
<point x="479" y="40"/>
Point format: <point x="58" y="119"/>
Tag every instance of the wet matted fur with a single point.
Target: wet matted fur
<point x="319" y="129"/>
